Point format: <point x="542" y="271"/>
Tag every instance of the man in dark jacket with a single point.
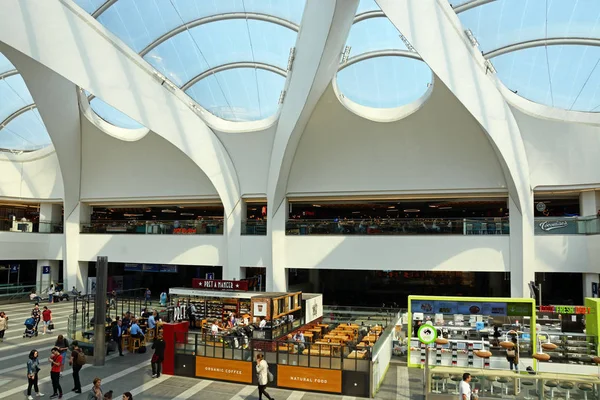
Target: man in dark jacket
<point x="158" y="356"/>
<point x="117" y="335"/>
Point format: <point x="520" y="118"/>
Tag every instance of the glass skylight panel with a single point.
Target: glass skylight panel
<point x="112" y="115"/>
<point x="5" y="65"/>
<point x="25" y="132"/>
<point x="90" y="5"/>
<point x="374" y="34"/>
<point x="192" y="44"/>
<point x="13" y="95"/>
<point x="571" y="82"/>
<point x="385" y="82"/>
<point x="239" y="94"/>
<point x="380" y="82"/>
<point x="503" y="22"/>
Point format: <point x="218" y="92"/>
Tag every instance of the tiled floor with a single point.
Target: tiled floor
<point x="132" y="372"/>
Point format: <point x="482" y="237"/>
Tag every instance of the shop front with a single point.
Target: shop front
<point x="287" y="328"/>
<point x="470" y="327"/>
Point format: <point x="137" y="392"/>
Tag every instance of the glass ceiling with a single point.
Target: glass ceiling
<point x="381" y="79"/>
<point x="565" y="74"/>
<point x="220" y="52"/>
<point x="21" y="127"/>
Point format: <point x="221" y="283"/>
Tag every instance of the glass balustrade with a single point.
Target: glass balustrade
<point x="9" y="225"/>
<point x="567" y="226"/>
<point x="256" y="227"/>
<point x="399" y="226"/>
<point x="191" y="227"/>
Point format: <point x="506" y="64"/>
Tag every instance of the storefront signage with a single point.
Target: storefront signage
<point x="224" y="370"/>
<point x="313" y="379"/>
<point x="184" y="231"/>
<point x="457" y="307"/>
<point x="151" y="268"/>
<point x="518" y="309"/>
<point x="565" y="309"/>
<point x="217" y="284"/>
<point x="260" y="309"/>
<point x="548" y="226"/>
<point x="427" y="334"/>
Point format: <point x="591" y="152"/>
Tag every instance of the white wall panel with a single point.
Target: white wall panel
<point x="418" y="253"/>
<point x="255" y="251"/>
<point x="440" y="147"/>
<point x="567" y="253"/>
<point x="155" y="249"/>
<point x="24" y="246"/>
<point x="250" y="153"/>
<point x="148" y="168"/>
<point x="560" y="153"/>
<point x="37" y="178"/>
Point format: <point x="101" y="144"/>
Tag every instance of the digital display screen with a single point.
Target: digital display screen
<point x="470" y="308"/>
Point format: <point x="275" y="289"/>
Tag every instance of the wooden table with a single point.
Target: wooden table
<point x="357" y="354"/>
<point x="308" y="335"/>
<point x="314" y="352"/>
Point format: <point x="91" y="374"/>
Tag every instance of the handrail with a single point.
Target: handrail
<point x="31" y="226"/>
<point x="213" y="226"/>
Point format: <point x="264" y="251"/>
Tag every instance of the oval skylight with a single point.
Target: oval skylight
<point x="378" y="69"/>
<point x="112" y="115"/>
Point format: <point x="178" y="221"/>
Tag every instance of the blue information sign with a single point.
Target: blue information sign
<point x="14" y="269"/>
<point x="46" y="269"/>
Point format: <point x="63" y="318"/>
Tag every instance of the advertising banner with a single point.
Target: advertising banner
<point x="313" y="379"/>
<point x="224" y="370"/>
<point x="218" y="284"/>
<point x="314" y="308"/>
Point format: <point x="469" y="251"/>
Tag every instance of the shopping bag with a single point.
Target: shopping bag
<point x="51" y="326"/>
<point x="269" y="376"/>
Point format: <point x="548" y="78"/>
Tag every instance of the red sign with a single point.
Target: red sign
<point x="566" y="309"/>
<point x="184" y="231"/>
<point x="216" y="284"/>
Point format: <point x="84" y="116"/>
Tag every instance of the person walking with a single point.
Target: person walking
<point x="117" y="335"/>
<point x="148" y="294"/>
<point x="3" y="325"/>
<point x="51" y="294"/>
<point x="77" y="361"/>
<point x="158" y="356"/>
<point x="127" y="396"/>
<point x="63" y="345"/>
<point x="56" y="364"/>
<point x="464" y="388"/>
<point x="36" y="315"/>
<point x="96" y="393"/>
<point x="262" y="372"/>
<point x="46" y="319"/>
<point x="33" y="367"/>
<point x="512" y="355"/>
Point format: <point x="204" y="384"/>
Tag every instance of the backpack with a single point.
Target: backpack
<point x="80" y="358"/>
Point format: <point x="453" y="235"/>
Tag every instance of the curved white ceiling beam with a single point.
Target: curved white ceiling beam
<point x="317" y="57"/>
<point x="368" y="15"/>
<point x="216" y="18"/>
<point x="471" y="4"/>
<point x="380" y="53"/>
<point x="76" y="46"/>
<point x="234" y="65"/>
<point x="62" y="121"/>
<point x="9" y="73"/>
<point x="103" y="8"/>
<point x="528" y="44"/>
<point x="460" y="67"/>
<point x="22" y="110"/>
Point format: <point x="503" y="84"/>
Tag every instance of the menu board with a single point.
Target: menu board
<point x="518" y="309"/>
<point x="459" y="307"/>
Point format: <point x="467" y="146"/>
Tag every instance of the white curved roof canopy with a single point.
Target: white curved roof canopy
<point x="546" y="51"/>
<point x="21" y="127"/>
<point x="227" y="55"/>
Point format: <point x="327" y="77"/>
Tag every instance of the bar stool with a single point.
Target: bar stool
<point x="529" y="384"/>
<point x="437" y="378"/>
<point x="456" y="379"/>
<point x="503" y="380"/>
<point x="491" y="380"/>
<point x="134" y="344"/>
<point x="125" y="341"/>
<point x="585" y="388"/>
<point x="568" y="386"/>
<point x="552" y="385"/>
<point x="150" y="333"/>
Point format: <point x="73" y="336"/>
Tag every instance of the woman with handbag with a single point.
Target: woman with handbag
<point x="33" y="367"/>
<point x="158" y="356"/>
<point x="3" y="325"/>
<point x="512" y="355"/>
<point x="264" y="376"/>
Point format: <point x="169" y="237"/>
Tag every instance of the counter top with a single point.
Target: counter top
<point x="593" y="379"/>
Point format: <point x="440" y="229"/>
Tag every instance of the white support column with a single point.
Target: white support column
<point x="233" y="230"/>
<point x="44" y="280"/>
<point x="589" y="203"/>
<point x="276" y="272"/>
<point x="434" y="30"/>
<point x="82" y="277"/>
<point x="317" y="59"/>
<point x="50" y="214"/>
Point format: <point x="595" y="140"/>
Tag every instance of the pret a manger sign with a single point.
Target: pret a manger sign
<point x="217" y="284"/>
